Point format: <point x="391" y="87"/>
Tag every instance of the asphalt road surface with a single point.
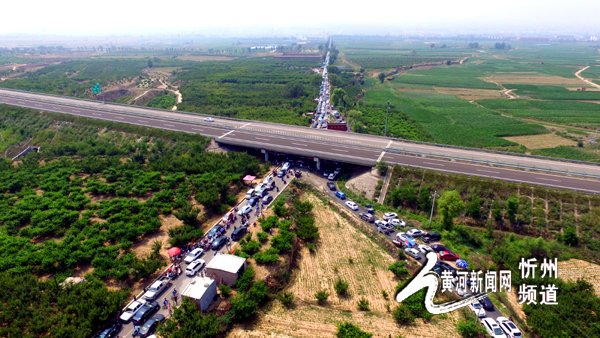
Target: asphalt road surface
<point x="181" y="282"/>
<point x="331" y="145"/>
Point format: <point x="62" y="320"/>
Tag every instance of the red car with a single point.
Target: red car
<point x="448" y="256"/>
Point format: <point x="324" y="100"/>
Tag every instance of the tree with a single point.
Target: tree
<point x="512" y="207"/>
<point x="450" y="205"/>
<point x="339" y="98"/>
<point x="474" y="207"/>
<point x="569" y="236"/>
<point x="381" y="77"/>
<point x="187" y="321"/>
<point x="294" y="90"/>
<point x="424" y="199"/>
<point x="348" y="330"/>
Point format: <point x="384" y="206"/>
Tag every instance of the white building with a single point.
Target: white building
<point x="225" y="269"/>
<point x="202" y="290"/>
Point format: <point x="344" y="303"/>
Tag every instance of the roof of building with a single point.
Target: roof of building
<point x="197" y="287"/>
<point x="225" y="262"/>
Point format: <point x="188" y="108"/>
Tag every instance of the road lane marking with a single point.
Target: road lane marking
<point x="261" y="138"/>
<point x="344" y="151"/>
<point x="227" y="133"/>
<point x="383" y="152"/>
<point x="548" y="179"/>
<point x="433" y="163"/>
<point x="488" y="171"/>
<point x="300" y="144"/>
<point x="245" y="125"/>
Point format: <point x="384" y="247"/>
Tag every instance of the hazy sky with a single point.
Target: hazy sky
<point x="133" y="17"/>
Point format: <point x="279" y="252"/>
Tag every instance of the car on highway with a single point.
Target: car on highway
<point x="219" y="242"/>
<point x="439" y="247"/>
<point x="150" y="325"/>
<point x="509" y="327"/>
<point x="407" y="239"/>
<point x="487" y="304"/>
<point x="398" y="222"/>
<point x="156" y="289"/>
<point x="390" y="215"/>
<point x="110" y="332"/>
<point x="415" y="232"/>
<point x="340" y="195"/>
<point x="209" y="119"/>
<point x="431" y="237"/>
<point x="493" y="328"/>
<point x="412" y="252"/>
<point x="369" y="209"/>
<point x="424" y="248"/>
<point x="352" y="205"/>
<point x="245" y="210"/>
<point x="131" y="309"/>
<point x="448" y="255"/>
<point x="195" y="266"/>
<point x="145" y="312"/>
<point x="331" y="186"/>
<point x="367" y="217"/>
<point x="478" y="309"/>
<point x="193" y="255"/>
<point x="267" y="199"/>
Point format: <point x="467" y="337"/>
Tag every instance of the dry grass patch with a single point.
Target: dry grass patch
<point x="574" y="269"/>
<point x="534" y="78"/>
<point x="541" y="141"/>
<point x="343" y="252"/>
<point x="143" y="248"/>
<point x="470" y="94"/>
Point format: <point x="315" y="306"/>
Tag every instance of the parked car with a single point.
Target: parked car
<point x="415" y="232"/>
<point x="406" y="238"/>
<point x="280" y="173"/>
<point x="478" y="309"/>
<point x="448" y="256"/>
<point x="253" y="200"/>
<point x="385" y="229"/>
<point x="509" y="327"/>
<point x="337" y="171"/>
<point x="431" y="237"/>
<point x="440" y="267"/>
<point x="238" y="233"/>
<point x="156" y="289"/>
<point x="439" y="247"/>
<point x="193" y="255"/>
<point x="219" y="242"/>
<point x="369" y="209"/>
<point x="352" y="205"/>
<point x="390" y="215"/>
<point x="150" y="325"/>
<point x="110" y="332"/>
<point x="331" y="177"/>
<point x="380" y="222"/>
<point x="249" y="193"/>
<point x="267" y="199"/>
<point x="493" y="328"/>
<point x="424" y="249"/>
<point x="268" y="180"/>
<point x="216" y="231"/>
<point x="412" y="252"/>
<point x="487" y="304"/>
<point x="131" y="309"/>
<point x="145" y="312"/>
<point x="398" y="222"/>
<point x="195" y="266"/>
<point x="331" y="186"/>
<point x="245" y="210"/>
<point x="367" y="217"/>
<point x="398" y="243"/>
<point x="285" y="166"/>
<point x="340" y="195"/>
<point x="209" y="119"/>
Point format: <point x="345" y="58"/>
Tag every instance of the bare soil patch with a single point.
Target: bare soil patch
<point x="574" y="269"/>
<point x="541" y="141"/>
<point x="144" y="247"/>
<point x="364" y="183"/>
<point x="534" y="78"/>
<point x="346" y="253"/>
<point x="470" y="94"/>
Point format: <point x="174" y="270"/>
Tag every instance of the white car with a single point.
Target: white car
<point x="156" y="289"/>
<point x="412" y="252"/>
<point x="381" y="222"/>
<point x="509" y="327"/>
<point x="424" y="248"/>
<point x="245" y="210"/>
<point x="131" y="309"/>
<point x="493" y="328"/>
<point x="478" y="309"/>
<point x="209" y="119"/>
<point x="193" y="255"/>
<point x="398" y="222"/>
<point x="415" y="232"/>
<point x="331" y="177"/>
<point x="249" y="194"/>
<point x="194" y="267"/>
<point x="267" y="180"/>
<point x="390" y="215"/>
<point x="352" y="205"/>
<point x="285" y="166"/>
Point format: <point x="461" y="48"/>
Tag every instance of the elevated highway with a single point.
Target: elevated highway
<point x="352" y="148"/>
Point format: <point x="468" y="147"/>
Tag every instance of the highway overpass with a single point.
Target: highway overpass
<point x="352" y="148"/>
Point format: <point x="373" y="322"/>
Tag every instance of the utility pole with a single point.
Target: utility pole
<point x="432" y="205"/>
<point x="387" y="114"/>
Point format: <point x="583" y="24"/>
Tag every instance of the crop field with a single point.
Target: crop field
<point x="357" y="260"/>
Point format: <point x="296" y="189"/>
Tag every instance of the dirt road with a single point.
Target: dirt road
<point x="578" y="74"/>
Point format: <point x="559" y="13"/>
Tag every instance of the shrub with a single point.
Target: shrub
<point x="287" y="299"/>
<point x="403" y="316"/>
<point x="312" y="247"/>
<point x="251" y="247"/>
<point x="267" y="257"/>
<point x="322" y="296"/>
<point x="347" y="330"/>
<point x="224" y="290"/>
<point x="341" y="287"/>
<point x="470" y="328"/>
<point x="399" y="269"/>
<point x="363" y="304"/>
<point x="243" y="307"/>
<point x="262" y="236"/>
<point x="245" y="281"/>
<point x="259" y="292"/>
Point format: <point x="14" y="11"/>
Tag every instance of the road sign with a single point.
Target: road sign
<point x="96" y="89"/>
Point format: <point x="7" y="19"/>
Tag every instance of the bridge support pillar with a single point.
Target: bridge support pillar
<point x="264" y="151"/>
<point x="318" y="162"/>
